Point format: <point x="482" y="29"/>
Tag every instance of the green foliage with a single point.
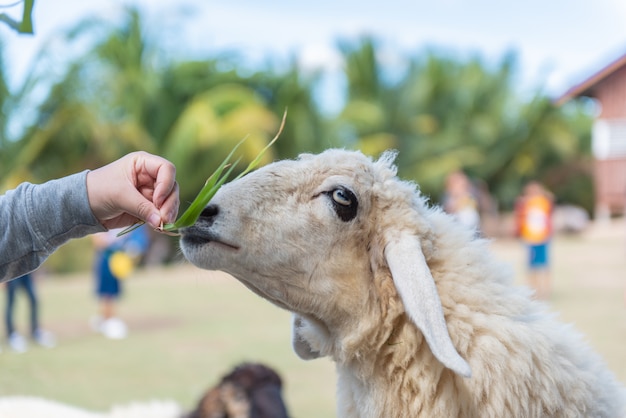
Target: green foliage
<point x="445" y="114"/>
<point x="5" y="101"/>
<point x="26" y="24"/>
<point x="442" y="113"/>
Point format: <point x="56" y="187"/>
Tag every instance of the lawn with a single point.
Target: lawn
<point x="188" y="327"/>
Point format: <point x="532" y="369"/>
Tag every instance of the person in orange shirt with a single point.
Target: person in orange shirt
<point x="533" y="214"/>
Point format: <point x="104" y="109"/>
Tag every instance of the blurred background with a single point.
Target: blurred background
<point x="504" y="93"/>
<point x="456" y="86"/>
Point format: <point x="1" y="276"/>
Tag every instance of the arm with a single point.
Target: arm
<point x="37" y="219"/>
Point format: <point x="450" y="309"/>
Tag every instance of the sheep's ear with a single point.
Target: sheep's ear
<point x="416" y="287"/>
<point x="299" y="341"/>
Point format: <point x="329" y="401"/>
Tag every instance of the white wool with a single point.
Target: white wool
<point x="33" y="407"/>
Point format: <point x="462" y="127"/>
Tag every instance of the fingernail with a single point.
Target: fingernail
<point x="154" y="220"/>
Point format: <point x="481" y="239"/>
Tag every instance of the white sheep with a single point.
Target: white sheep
<point x="419" y="317"/>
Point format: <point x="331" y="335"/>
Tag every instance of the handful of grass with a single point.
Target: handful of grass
<point x="212" y="185"/>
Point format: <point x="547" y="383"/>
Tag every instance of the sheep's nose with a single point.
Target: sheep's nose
<point x="208" y="214"/>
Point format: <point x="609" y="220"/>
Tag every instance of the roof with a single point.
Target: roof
<point x="585" y="88"/>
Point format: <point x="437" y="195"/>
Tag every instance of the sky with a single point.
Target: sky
<point x="558" y="42"/>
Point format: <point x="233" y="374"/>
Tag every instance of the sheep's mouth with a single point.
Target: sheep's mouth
<point x="196" y="237"/>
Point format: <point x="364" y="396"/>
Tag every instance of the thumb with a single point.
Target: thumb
<point x="140" y="207"/>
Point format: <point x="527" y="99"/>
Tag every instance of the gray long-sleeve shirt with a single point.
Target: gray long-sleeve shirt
<point x="37" y="219"/>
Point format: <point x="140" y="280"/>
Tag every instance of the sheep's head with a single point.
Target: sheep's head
<point x="309" y="235"/>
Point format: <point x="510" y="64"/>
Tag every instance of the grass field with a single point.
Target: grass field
<point x="188" y="327"/>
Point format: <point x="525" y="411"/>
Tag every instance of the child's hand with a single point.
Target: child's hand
<point x="137" y="187"/>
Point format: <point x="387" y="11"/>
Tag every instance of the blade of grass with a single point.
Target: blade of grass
<point x="191" y="214"/>
<point x="193" y="209"/>
<point x="129" y="229"/>
<point x="256" y="161"/>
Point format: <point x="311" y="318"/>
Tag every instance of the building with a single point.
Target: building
<point x="608" y="87"/>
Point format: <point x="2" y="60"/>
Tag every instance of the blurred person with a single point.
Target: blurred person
<point x="15" y="340"/>
<point x="533" y="215"/>
<point x="38" y="219"/>
<point x="460" y="200"/>
<point x="115" y="260"/>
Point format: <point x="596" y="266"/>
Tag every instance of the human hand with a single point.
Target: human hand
<point x="137" y="187"/>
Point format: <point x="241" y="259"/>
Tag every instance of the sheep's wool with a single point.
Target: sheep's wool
<point x="32" y="407"/>
<point x="329" y="237"/>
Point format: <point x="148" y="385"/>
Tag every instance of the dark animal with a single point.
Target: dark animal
<point x="249" y="391"/>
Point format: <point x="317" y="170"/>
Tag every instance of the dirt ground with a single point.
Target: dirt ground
<point x="589" y="285"/>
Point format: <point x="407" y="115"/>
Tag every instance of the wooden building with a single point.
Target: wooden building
<point x="608" y="87"/>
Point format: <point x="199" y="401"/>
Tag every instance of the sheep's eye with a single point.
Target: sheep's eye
<point x="340" y="196"/>
<point x="344" y="203"/>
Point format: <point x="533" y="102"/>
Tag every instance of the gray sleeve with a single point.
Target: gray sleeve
<point x="37" y="219"/>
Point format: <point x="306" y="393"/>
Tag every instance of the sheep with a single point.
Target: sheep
<point x="416" y="312"/>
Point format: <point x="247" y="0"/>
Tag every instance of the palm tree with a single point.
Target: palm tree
<point x="92" y="113"/>
<point x="293" y="90"/>
<point x="444" y="114"/>
<point x="15" y="111"/>
<point x="369" y="120"/>
<point x="455" y="113"/>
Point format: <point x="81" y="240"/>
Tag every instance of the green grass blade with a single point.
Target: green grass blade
<point x="214" y="177"/>
<point x="129" y="229"/>
<point x="206" y="194"/>
<point x="193" y="208"/>
<point x="258" y="158"/>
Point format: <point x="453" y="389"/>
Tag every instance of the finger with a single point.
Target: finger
<point x="136" y="205"/>
<point x="164" y="187"/>
<point x="161" y="172"/>
<point x="169" y="209"/>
